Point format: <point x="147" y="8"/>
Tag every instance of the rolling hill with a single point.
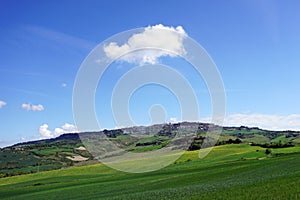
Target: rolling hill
<point x="233" y="171"/>
<point x="68" y="150"/>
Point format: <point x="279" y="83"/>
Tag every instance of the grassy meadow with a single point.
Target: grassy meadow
<point x="235" y="171"/>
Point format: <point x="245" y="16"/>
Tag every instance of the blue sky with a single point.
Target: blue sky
<point x="255" y="45"/>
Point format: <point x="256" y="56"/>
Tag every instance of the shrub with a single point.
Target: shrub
<point x="268" y="151"/>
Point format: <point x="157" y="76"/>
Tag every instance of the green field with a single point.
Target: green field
<point x="228" y="172"/>
<point x="58" y="153"/>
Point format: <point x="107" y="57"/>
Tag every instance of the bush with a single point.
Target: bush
<point x="268" y="151"/>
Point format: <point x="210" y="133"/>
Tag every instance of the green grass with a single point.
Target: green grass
<point x="258" y="139"/>
<point x="297" y="140"/>
<point x="52" y="154"/>
<point x="295" y="149"/>
<point x="282" y="139"/>
<point x="228" y="172"/>
<point x="146" y="148"/>
<point x="124" y="140"/>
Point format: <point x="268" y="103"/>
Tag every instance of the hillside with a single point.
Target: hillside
<point x="68" y="150"/>
<point x="235" y="171"/>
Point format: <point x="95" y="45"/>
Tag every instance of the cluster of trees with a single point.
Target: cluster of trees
<point x="197" y="142"/>
<point x="156" y="142"/>
<point x="274" y="145"/>
<point x="230" y="141"/>
<point x="113" y="133"/>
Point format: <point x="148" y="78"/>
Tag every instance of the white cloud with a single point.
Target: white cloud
<point x="2" y="104"/>
<point x="44" y="131"/>
<point x="29" y="107"/>
<point x="63" y="85"/>
<point x="154" y="42"/>
<point x="66" y="128"/>
<point x="37" y="107"/>
<point x="271" y="122"/>
<point x="173" y="120"/>
<point x="26" y="106"/>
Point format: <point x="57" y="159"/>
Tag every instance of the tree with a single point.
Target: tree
<point x="268" y="151"/>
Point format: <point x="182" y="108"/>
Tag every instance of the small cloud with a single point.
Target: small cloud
<point x="66" y="128"/>
<point x="30" y="107"/>
<point x="153" y="43"/>
<point x="44" y="131"/>
<point x="2" y="104"/>
<point x="63" y="85"/>
<point x="173" y="120"/>
<point x="37" y="107"/>
<point x="26" y="106"/>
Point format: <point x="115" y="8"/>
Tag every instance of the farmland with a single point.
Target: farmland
<point x="246" y="163"/>
<point x="238" y="171"/>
